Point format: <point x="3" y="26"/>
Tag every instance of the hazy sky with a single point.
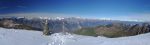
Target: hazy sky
<point x="113" y="9"/>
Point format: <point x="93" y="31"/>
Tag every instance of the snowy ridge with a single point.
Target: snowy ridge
<point x="54" y="18"/>
<point x="25" y="37"/>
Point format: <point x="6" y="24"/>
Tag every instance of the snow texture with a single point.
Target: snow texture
<point x="25" y="37"/>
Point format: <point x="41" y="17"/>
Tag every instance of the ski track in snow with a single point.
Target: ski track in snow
<point x="25" y="37"/>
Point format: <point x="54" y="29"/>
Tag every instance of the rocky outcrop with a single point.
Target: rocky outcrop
<point x="140" y="29"/>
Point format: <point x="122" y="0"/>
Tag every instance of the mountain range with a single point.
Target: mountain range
<point x="59" y="24"/>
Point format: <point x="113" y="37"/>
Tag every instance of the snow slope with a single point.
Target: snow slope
<point x="24" y="37"/>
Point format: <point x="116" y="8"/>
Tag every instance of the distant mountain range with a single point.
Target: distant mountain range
<point x="68" y="24"/>
<point x="115" y="30"/>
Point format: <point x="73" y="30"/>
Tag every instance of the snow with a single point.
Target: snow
<point x="25" y="37"/>
<point x="59" y="18"/>
<point x="52" y="18"/>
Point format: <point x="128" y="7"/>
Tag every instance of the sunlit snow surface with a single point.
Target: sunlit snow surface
<point x="24" y="37"/>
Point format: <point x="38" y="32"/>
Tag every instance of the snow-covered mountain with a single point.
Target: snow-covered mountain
<point x="70" y="24"/>
<point x="25" y="37"/>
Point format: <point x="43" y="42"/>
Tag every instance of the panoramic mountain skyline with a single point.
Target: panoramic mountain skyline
<point x="97" y="9"/>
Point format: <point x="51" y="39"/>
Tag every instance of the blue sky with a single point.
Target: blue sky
<point x="133" y="9"/>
